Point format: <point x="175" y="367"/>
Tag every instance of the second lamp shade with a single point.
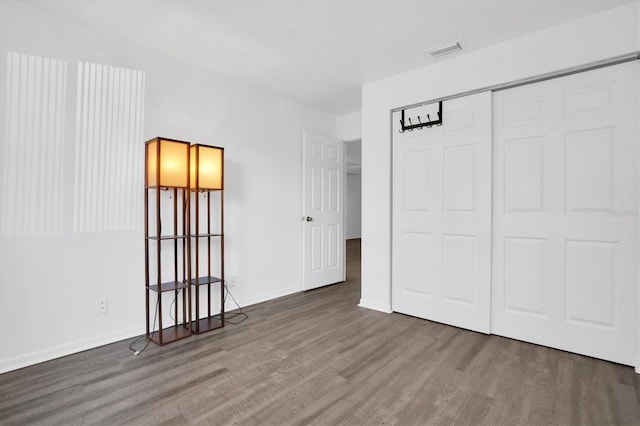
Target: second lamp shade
<point x="206" y="167"/>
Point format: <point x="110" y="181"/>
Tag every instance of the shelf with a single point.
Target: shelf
<point x="167" y="237"/>
<point x="205" y="235"/>
<point x="166" y="188"/>
<point x="170" y="334"/>
<point x="168" y="286"/>
<point x="205" y="280"/>
<point x="206" y="324"/>
<point x="206" y="189"/>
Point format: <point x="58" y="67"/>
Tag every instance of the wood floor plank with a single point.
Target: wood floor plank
<point x="317" y="358"/>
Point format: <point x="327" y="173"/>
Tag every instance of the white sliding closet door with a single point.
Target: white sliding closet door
<point x="441" y="258"/>
<point x="565" y="262"/>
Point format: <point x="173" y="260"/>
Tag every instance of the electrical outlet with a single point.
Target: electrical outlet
<point x="102" y="306"/>
<point x="232" y="281"/>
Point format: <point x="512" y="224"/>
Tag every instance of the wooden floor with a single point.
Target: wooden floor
<point x="316" y="358"/>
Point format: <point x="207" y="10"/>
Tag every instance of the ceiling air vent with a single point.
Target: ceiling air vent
<point x="443" y="50"/>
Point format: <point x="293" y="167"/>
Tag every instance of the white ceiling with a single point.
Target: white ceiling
<point x="318" y="52"/>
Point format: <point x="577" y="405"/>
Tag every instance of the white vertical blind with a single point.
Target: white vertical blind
<point x="32" y="160"/>
<point x="108" y="149"/>
<point x="108" y="169"/>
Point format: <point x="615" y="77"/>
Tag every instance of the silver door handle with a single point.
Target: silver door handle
<point x="307" y="218"/>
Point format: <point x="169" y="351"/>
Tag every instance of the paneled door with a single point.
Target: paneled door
<point x="565" y="262"/>
<point x="441" y="253"/>
<point x="323" y="211"/>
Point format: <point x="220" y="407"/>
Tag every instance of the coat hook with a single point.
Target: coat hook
<point x="401" y="127"/>
<point x="429" y="118"/>
<point x="439" y="120"/>
<point x="411" y="124"/>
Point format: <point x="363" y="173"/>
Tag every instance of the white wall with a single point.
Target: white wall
<point x="596" y="37"/>
<point x="353" y="222"/>
<point x="349" y="126"/>
<point x="49" y="283"/>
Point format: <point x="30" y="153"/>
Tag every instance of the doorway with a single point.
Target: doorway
<point x="353" y="206"/>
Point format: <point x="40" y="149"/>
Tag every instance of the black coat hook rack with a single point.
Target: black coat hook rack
<point x="420" y="124"/>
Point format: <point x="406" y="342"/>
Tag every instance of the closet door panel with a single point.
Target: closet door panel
<point x="565" y="213"/>
<point x="442" y="217"/>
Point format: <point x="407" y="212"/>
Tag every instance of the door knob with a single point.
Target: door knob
<point x="308" y="218"/>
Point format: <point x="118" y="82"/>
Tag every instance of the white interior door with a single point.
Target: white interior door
<point x="323" y="211"/>
<point x="441" y="254"/>
<point x="565" y="263"/>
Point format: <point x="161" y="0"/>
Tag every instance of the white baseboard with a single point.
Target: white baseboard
<point x="36" y="357"/>
<point x="369" y="304"/>
<point x="262" y="298"/>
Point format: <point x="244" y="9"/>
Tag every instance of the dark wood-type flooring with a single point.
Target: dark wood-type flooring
<point x="317" y="358"/>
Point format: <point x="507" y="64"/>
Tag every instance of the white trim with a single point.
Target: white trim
<point x="638" y="296"/>
<point x="375" y="306"/>
<point x="634" y="56"/>
<point x="48" y="354"/>
<point x="263" y="297"/>
<point x="344" y="210"/>
<point x="20" y="361"/>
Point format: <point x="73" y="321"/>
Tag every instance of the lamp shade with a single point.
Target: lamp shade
<point x="206" y="167"/>
<point x="167" y="163"/>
